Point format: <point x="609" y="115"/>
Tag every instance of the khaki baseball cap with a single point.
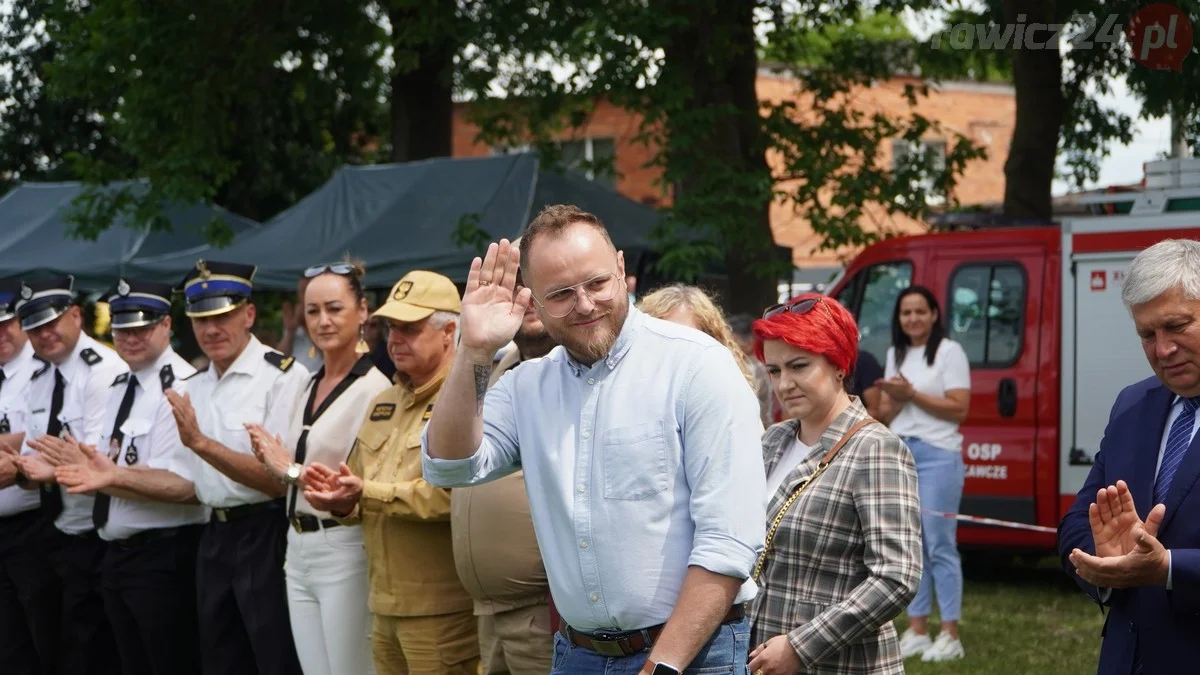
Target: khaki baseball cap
<point x="418" y="295"/>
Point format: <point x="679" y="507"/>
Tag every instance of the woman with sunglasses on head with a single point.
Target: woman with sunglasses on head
<point x="926" y="394"/>
<point x="326" y="565"/>
<point x="843" y="551"/>
<point x="690" y="306"/>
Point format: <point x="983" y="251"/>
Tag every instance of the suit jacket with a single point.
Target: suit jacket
<point x="1161" y="625"/>
<point x="846" y="558"/>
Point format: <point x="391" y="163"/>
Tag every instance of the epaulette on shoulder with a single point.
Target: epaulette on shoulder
<point x="45" y="366"/>
<point x="121" y="379"/>
<point x="198" y="371"/>
<point x="166" y="376"/>
<point x="279" y="360"/>
<point x="90" y="356"/>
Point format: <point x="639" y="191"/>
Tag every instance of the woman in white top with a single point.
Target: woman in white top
<point x="326" y="565"/>
<point x="926" y="394"/>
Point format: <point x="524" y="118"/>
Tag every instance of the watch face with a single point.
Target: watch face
<point x="664" y="669"/>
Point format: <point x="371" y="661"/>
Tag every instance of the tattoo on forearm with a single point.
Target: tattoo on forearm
<point x="482" y="375"/>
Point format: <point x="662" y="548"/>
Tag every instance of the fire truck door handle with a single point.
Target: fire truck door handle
<point x="1006" y="398"/>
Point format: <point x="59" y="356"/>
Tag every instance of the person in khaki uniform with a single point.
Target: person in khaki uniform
<point x="497" y="552"/>
<point x="423" y="620"/>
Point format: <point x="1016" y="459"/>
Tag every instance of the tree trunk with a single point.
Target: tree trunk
<point x="1037" y="76"/>
<point x="422" y="110"/>
<point x="715" y="143"/>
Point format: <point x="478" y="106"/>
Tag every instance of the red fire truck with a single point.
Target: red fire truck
<point x="1038" y="310"/>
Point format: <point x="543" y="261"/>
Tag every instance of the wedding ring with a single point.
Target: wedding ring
<point x="485" y="283"/>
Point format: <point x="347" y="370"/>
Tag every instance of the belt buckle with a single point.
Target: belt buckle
<point x="222" y="515"/>
<point x="296" y="525"/>
<point x="608" y="647"/>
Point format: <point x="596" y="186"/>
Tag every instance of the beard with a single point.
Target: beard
<point x="598" y="341"/>
<point x="533" y="344"/>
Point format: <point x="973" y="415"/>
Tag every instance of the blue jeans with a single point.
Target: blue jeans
<point x="727" y="652"/>
<point x="940" y="475"/>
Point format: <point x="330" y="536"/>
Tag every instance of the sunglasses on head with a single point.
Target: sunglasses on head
<point x="798" y="307"/>
<point x="343" y="269"/>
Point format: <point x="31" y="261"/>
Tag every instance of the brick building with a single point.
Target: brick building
<point x="984" y="113"/>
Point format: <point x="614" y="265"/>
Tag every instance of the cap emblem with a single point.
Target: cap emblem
<point x="402" y="290"/>
<point x="26" y="292"/>
<point x="122" y="288"/>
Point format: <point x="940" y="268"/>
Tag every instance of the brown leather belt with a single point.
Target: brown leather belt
<point x="628" y="643"/>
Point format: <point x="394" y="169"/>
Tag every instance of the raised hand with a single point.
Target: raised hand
<point x="57" y="451"/>
<point x="1147" y="563"/>
<point x="92" y="476"/>
<point x="492" y="306"/>
<point x="1114" y="521"/>
<point x="269" y="450"/>
<point x="36" y="469"/>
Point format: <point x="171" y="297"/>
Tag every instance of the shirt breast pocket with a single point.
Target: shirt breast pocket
<point x="635" y="461"/>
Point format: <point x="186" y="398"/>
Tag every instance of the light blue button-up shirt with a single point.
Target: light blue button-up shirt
<point x="637" y="467"/>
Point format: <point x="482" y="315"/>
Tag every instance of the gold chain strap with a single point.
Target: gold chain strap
<point x="762" y="558"/>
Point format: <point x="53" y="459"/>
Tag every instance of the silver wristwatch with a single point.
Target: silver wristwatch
<point x="292" y="474"/>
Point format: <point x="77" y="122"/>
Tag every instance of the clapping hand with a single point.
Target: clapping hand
<point x="185" y="418"/>
<point x="57" y="451"/>
<point x="98" y="473"/>
<point x="898" y="387"/>
<point x="269" y="450"/>
<point x="1128" y="552"/>
<point x="492" y="306"/>
<point x="337" y="492"/>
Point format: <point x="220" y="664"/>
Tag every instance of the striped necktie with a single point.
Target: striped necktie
<point x="1178" y="440"/>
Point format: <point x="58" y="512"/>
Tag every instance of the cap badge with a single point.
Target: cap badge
<point x="203" y="268"/>
<point x="122" y="288"/>
<point x="402" y="290"/>
<point x="26" y="292"/>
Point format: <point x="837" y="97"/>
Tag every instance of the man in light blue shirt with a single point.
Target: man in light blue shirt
<point x="640" y="447"/>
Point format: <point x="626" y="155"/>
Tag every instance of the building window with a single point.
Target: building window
<point x="592" y="158"/>
<point x="871" y="297"/>
<point x="987" y="313"/>
<point x="935" y="150"/>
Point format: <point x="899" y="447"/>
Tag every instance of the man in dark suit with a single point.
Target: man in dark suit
<point x="1131" y="540"/>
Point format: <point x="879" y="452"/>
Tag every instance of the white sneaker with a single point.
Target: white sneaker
<point x="945" y="648"/>
<point x="912" y="644"/>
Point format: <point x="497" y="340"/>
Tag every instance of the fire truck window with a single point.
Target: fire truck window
<point x="882" y="284"/>
<point x="985" y="314"/>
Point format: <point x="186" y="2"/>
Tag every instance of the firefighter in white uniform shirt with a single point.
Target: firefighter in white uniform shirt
<point x="244" y="622"/>
<point x="66" y="398"/>
<point x="29" y="592"/>
<point x="149" y="572"/>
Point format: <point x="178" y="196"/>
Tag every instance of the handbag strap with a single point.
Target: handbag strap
<point x="821" y="467"/>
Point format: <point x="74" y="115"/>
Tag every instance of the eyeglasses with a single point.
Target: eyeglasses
<point x="561" y="302"/>
<point x="343" y="269"/>
<point x="799" y="307"/>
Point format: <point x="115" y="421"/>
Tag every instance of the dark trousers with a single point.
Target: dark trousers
<point x="88" y="646"/>
<point x="30" y="597"/>
<point x="150" y="598"/>
<point x="244" y="624"/>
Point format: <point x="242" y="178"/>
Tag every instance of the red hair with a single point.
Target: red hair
<point x="832" y="334"/>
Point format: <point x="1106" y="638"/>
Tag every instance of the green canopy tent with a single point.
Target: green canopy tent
<point x="36" y="237"/>
<point x="400" y="217"/>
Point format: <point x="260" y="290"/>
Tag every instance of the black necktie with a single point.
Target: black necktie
<point x="100" y="507"/>
<point x="52" y="502"/>
<point x="5" y="427"/>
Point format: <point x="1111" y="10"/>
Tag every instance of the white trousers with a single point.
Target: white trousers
<point x="327" y="600"/>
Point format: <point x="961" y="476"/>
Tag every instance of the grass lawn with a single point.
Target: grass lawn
<point x="1020" y="619"/>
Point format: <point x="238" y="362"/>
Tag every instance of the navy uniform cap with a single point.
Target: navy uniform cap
<point x="43" y="301"/>
<point x="10" y="292"/>
<point x="214" y="288"/>
<point x="134" y="303"/>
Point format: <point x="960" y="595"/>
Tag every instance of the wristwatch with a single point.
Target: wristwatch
<point x="292" y="474"/>
<point x="664" y="669"/>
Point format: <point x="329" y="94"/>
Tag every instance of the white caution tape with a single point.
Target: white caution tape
<point x="990" y="521"/>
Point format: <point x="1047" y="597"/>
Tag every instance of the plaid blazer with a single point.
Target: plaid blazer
<point x="847" y="556"/>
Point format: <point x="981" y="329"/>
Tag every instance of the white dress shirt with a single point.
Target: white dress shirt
<point x="637" y="467"/>
<point x="82" y="413"/>
<point x="151" y="440"/>
<point x="252" y="390"/>
<point x="15" y="499"/>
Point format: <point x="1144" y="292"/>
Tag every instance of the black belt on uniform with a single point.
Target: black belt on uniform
<point x="228" y="515"/>
<point x="306" y="522"/>
<point x="632" y="642"/>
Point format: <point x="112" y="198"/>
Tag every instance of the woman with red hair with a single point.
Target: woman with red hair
<point x="843" y="551"/>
